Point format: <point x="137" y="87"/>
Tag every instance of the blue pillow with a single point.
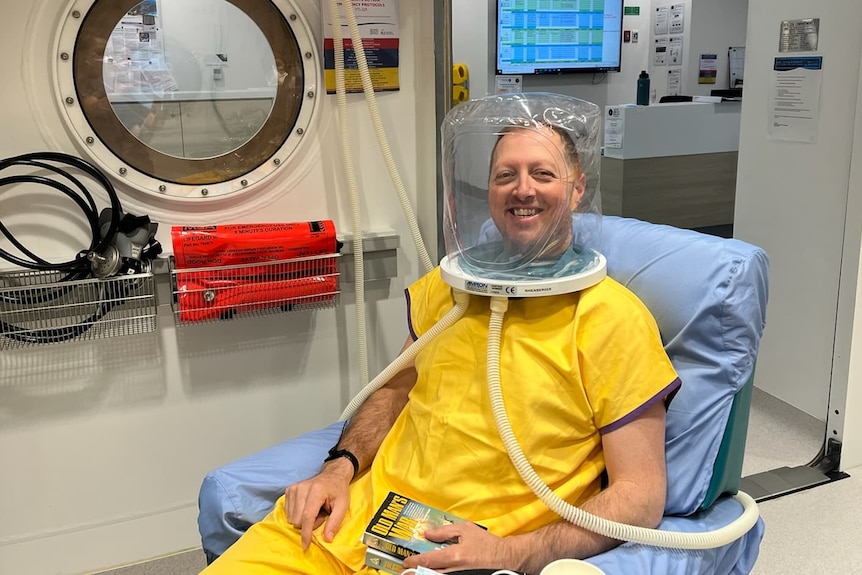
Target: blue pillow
<point x="708" y="296"/>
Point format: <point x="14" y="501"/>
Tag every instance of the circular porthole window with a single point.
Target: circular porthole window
<point x="187" y="98"/>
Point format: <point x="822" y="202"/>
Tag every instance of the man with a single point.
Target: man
<point x="535" y="183"/>
<point x="585" y="381"/>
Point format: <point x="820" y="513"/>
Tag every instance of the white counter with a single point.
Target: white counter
<point x="672" y="129"/>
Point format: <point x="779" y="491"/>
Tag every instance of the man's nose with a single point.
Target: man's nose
<point x="525" y="188"/>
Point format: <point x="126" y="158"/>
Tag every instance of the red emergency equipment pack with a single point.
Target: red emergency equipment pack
<point x="244" y="268"/>
<point x="231" y="244"/>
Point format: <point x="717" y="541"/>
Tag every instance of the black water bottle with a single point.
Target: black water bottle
<point x="643" y="89"/>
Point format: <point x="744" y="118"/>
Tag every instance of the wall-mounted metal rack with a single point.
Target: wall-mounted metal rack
<point x="228" y="292"/>
<point x="39" y="308"/>
<point x="36" y="307"/>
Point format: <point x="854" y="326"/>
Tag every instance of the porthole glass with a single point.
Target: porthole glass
<point x="188" y="92"/>
<point x="189" y="104"/>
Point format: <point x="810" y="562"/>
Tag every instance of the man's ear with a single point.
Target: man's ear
<point x="578" y="189"/>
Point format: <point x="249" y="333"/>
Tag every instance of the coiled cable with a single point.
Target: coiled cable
<point x="104" y="230"/>
<point x="78" y="268"/>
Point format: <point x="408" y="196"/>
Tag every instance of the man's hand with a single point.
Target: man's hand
<point x="475" y="549"/>
<point x="308" y="503"/>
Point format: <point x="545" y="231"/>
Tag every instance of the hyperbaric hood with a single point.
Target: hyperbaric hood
<point x="521" y="186"/>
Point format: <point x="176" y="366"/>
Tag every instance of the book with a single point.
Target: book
<point x="399" y="525"/>
<point x="383" y="561"/>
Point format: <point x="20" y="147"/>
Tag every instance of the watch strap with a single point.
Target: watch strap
<point x="336" y="453"/>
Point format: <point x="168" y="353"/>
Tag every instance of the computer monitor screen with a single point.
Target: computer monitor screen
<point x="558" y="36"/>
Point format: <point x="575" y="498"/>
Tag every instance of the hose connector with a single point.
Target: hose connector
<point x="460" y="296"/>
<point x="499" y="303"/>
<point x="107" y="264"/>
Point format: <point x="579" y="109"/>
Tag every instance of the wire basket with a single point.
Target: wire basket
<point x="249" y="290"/>
<point x="36" y="308"/>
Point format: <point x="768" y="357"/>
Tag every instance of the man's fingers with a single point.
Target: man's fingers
<point x="443" y="533"/>
<point x="313" y="513"/>
<point x="437" y="559"/>
<point x="294" y="504"/>
<point x="308" y="505"/>
<point x="319" y="521"/>
<point x="307" y="528"/>
<point x="336" y="516"/>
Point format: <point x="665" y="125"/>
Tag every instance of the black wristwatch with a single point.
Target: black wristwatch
<point x="335" y="453"/>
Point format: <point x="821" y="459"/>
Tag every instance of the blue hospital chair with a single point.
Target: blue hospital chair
<point x="708" y="295"/>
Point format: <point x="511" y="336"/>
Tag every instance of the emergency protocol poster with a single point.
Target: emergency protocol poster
<point x="378" y="27"/>
<point x="134" y="61"/>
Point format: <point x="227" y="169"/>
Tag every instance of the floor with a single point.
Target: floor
<point x="814" y="531"/>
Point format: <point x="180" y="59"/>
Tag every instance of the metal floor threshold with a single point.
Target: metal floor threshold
<point x="786" y="480"/>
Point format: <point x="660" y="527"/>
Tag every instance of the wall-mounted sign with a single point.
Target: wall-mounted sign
<point x="660" y="54"/>
<point x="508" y="83"/>
<point x="674" y="81"/>
<point x="660" y="25"/>
<point x="677" y="19"/>
<point x="632" y="11"/>
<point x="708" y="69"/>
<point x="381" y="40"/>
<point x="615" y="124"/>
<point x="794" y="106"/>
<point x="674" y="52"/>
<point x="799" y="35"/>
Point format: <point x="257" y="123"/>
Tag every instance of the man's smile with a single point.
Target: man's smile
<point x="524" y="212"/>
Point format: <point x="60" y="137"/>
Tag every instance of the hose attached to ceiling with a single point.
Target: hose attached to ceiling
<point x="353" y="193"/>
<point x="383" y="142"/>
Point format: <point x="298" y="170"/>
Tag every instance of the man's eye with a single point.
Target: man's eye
<point x="504" y="176"/>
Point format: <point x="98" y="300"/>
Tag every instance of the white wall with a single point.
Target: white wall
<point x="659" y="74"/>
<point x="103" y="445"/>
<point x="622" y="87"/>
<point x="792" y="200"/>
<point x="472" y="34"/>
<point x="716" y="25"/>
<point x="846" y="394"/>
<point x="710" y="26"/>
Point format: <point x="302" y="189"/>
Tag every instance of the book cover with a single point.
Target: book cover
<point x="399" y="524"/>
<point x="383" y="561"/>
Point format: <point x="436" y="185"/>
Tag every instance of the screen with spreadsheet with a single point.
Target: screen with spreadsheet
<point x="558" y="36"/>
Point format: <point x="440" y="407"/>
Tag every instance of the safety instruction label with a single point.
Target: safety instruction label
<point x="377" y="21"/>
<point x="232" y="244"/>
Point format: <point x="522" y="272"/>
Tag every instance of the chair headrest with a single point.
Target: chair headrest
<point x="708" y="296"/>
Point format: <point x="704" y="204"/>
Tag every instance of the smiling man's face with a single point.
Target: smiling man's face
<point x="532" y="190"/>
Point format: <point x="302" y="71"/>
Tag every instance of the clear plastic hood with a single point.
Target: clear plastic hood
<point x="521" y="187"/>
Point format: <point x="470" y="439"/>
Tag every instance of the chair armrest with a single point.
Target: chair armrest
<point x="234" y="497"/>
<point x="735" y="558"/>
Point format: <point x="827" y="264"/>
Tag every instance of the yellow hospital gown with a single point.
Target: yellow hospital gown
<point x="572" y="367"/>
